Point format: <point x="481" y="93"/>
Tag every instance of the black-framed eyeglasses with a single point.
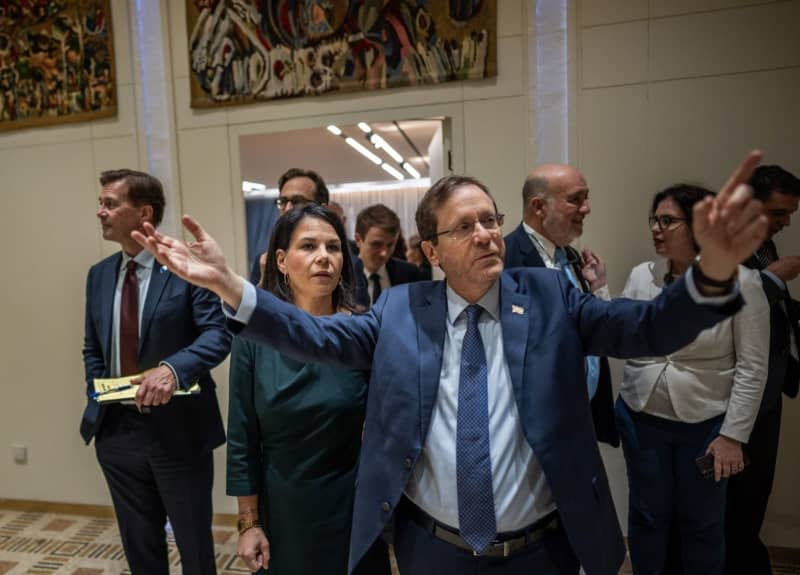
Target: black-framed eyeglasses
<point x="464" y="230"/>
<point x="294" y="200"/>
<point x="665" y="222"/>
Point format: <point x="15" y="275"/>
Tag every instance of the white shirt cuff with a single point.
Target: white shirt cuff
<point x="246" y="307"/>
<point x="602" y="293"/>
<point x="719" y="300"/>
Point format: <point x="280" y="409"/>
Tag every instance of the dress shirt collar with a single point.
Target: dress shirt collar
<point x="144" y="258"/>
<point x="540" y="242"/>
<point x="382" y="273"/>
<point x="490" y="302"/>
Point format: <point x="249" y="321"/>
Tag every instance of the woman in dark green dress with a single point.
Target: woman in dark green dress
<point x="294" y="429"/>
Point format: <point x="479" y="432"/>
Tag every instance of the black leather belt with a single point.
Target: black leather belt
<point x="504" y="545"/>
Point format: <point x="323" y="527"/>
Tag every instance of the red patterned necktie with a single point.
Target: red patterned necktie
<point x="129" y="322"/>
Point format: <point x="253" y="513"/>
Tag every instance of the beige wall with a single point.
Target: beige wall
<point x="647" y="75"/>
<point x="675" y="90"/>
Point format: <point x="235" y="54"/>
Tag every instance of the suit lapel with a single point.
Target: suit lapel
<point x="431" y="327"/>
<point x="108" y="289"/>
<point x="158" y="279"/>
<point x="530" y="257"/>
<point x="516" y="316"/>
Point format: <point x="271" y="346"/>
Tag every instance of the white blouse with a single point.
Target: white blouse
<point x="724" y="370"/>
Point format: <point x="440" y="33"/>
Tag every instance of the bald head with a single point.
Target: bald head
<point x="555" y="202"/>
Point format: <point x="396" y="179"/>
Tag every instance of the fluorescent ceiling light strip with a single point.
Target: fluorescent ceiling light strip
<point x="334" y="130"/>
<point x="381" y="144"/>
<point x="411" y="170"/>
<point x="364" y="127"/>
<point x="363" y="151"/>
<point x="393" y="171"/>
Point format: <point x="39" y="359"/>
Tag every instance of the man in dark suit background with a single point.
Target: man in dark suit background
<point x="555" y="202"/>
<point x="749" y="491"/>
<point x="377" y="230"/>
<point x="157" y="455"/>
<point x="478" y="439"/>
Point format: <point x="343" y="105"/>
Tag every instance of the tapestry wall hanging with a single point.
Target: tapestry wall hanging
<point x="244" y="51"/>
<point x="56" y="62"/>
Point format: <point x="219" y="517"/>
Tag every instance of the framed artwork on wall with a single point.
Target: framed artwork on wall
<point x="254" y="50"/>
<point x="56" y="62"/>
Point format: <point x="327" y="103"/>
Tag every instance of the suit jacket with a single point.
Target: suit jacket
<point x="401" y="339"/>
<point x="520" y="252"/>
<point x="182" y="325"/>
<point x="784" y="315"/>
<point x="402" y="272"/>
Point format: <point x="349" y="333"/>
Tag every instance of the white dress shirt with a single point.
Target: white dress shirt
<point x="383" y="276"/>
<point x="521" y="493"/>
<point x="547" y="251"/>
<point x="724" y="370"/>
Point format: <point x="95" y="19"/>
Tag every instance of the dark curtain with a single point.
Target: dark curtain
<point x="261" y="214"/>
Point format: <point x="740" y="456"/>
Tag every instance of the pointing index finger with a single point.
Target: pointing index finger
<point x="741" y="175"/>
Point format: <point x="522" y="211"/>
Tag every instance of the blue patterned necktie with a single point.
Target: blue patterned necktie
<point x="592" y="362"/>
<point x="477" y="523"/>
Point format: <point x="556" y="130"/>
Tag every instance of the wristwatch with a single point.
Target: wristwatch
<point x="244" y="524"/>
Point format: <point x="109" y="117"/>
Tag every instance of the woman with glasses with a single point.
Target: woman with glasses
<point x="294" y="429"/>
<point x="690" y="410"/>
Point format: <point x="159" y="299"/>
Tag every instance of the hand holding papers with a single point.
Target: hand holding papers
<point x="120" y="389"/>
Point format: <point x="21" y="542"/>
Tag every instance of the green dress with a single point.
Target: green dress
<point x="294" y="433"/>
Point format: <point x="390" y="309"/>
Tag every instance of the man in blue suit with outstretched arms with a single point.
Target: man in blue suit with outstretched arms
<point x="157" y="455"/>
<point x="478" y="440"/>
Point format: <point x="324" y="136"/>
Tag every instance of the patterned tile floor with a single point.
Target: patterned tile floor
<point x="56" y="544"/>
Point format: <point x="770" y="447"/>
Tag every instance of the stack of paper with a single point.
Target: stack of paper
<point x="118" y="389"/>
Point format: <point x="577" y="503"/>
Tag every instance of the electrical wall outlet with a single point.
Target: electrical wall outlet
<point x="20" y="453"/>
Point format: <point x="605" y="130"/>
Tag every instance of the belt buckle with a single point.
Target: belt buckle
<point x="488" y="552"/>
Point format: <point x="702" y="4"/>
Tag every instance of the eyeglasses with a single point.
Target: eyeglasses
<point x="464" y="230"/>
<point x="665" y="222"/>
<point x="294" y="200"/>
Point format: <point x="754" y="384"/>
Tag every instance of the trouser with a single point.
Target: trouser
<point x="664" y="486"/>
<point x="748" y="495"/>
<point x="147" y="486"/>
<point x="419" y="552"/>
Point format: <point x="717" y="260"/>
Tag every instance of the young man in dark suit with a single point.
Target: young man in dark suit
<point x="142" y="321"/>
<point x="749" y="491"/>
<point x="478" y="441"/>
<point x="555" y="202"/>
<point x="377" y="230"/>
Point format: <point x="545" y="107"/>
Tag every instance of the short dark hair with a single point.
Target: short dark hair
<point x="142" y="190"/>
<point x="768" y="179"/>
<point x="321" y="194"/>
<point x="377" y="216"/>
<point x="535" y="186"/>
<point x="275" y="282"/>
<point x="686" y="196"/>
<point x="437" y="195"/>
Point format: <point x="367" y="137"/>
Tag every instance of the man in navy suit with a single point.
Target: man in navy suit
<point x="749" y="491"/>
<point x="478" y="438"/>
<point x="377" y="230"/>
<point x="156" y="455"/>
<point x="555" y="202"/>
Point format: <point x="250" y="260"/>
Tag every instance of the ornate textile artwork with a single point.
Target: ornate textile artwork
<point x="249" y="50"/>
<point x="56" y="62"/>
